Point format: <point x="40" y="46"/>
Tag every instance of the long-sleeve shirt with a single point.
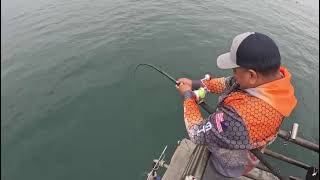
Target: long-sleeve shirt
<point x="240" y="123"/>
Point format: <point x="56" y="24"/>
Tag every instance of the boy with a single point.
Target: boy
<point x="250" y="110"/>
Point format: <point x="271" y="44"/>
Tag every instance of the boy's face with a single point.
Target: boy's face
<point x="246" y="78"/>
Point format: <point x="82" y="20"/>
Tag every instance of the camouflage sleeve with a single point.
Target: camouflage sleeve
<point x="223" y="129"/>
<point x="215" y="85"/>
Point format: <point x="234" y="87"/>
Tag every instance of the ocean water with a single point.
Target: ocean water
<point x="71" y="109"/>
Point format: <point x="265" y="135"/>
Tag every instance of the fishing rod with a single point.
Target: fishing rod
<point x="204" y="105"/>
<point x="159" y="70"/>
<point x="207" y="108"/>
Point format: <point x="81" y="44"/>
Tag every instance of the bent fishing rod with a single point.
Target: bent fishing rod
<point x="209" y="110"/>
<point x="204" y="105"/>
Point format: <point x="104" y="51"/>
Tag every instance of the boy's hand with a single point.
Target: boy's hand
<point x="185" y="81"/>
<point x="182" y="88"/>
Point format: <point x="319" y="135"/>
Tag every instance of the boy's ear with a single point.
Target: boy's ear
<point x="253" y="76"/>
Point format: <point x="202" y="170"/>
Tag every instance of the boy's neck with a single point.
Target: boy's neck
<point x="265" y="79"/>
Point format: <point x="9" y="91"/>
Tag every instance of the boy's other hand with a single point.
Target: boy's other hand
<point x="182" y="88"/>
<point x="185" y="81"/>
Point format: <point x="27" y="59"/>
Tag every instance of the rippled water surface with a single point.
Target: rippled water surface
<point x="70" y="108"/>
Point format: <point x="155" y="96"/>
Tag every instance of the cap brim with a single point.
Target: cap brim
<point x="224" y="62"/>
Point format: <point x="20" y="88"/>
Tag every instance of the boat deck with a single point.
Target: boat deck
<point x="192" y="158"/>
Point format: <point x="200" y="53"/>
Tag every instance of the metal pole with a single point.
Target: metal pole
<point x="286" y="159"/>
<point x="264" y="168"/>
<point x="274" y="171"/>
<point x="302" y="142"/>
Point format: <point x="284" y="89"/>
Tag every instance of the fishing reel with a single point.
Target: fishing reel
<point x="201" y="92"/>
